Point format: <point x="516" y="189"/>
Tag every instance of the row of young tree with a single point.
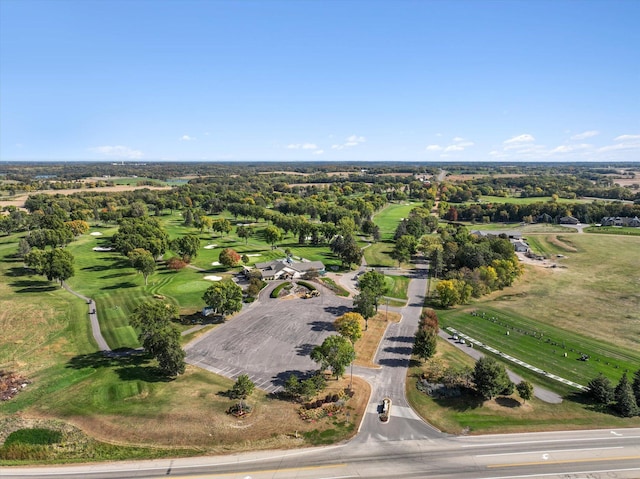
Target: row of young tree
<point x="624" y="398"/>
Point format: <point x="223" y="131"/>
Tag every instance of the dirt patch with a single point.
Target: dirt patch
<point x="11" y="384"/>
<point x="562" y="243"/>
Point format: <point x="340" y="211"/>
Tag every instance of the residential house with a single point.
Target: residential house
<point x="620" y="221"/>
<point x="569" y="220"/>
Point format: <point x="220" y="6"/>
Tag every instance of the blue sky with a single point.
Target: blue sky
<point x="320" y="80"/>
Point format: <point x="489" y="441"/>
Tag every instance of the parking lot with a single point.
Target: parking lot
<point x="269" y="340"/>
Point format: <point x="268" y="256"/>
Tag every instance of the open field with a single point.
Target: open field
<point x="597" y="291"/>
<point x="19" y="199"/>
<point x="502" y="415"/>
<point x="589" y="305"/>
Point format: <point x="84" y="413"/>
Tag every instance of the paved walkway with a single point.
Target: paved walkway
<point x="93" y="317"/>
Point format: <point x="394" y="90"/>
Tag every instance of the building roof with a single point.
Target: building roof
<point x="272" y="267"/>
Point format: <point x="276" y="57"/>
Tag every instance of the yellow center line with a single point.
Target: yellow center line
<point x="264" y="471"/>
<point x="567" y="461"/>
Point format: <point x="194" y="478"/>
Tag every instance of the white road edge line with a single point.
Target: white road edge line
<point x="549" y="452"/>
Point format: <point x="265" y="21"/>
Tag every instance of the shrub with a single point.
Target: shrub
<point x="307" y="285"/>
<point x="176" y="263"/>
<point x="35" y="436"/>
<point x="276" y="291"/>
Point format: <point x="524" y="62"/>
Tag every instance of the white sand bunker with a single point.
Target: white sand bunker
<point x="215" y="263"/>
<point x="213" y="278"/>
<point x="96" y="233"/>
<point x="102" y="248"/>
<point x="211" y="246"/>
<point x="254" y="255"/>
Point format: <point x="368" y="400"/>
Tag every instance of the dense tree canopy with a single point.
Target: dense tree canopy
<point x="159" y="337"/>
<point x="224" y="297"/>
<point x="143" y="232"/>
<point x="336" y="353"/>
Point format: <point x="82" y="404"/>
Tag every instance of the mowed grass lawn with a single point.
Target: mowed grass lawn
<point x="397" y="286"/>
<point x="118" y="289"/>
<point x="591" y="302"/>
<point x="388" y="218"/>
<point x="46" y="337"/>
<point x="472" y="415"/>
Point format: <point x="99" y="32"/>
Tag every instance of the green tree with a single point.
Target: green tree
<point x="221" y="225"/>
<point x="347" y="250"/>
<point x="229" y="257"/>
<point x="373" y="284"/>
<point x="143" y="262"/>
<point x="490" y="377"/>
<point x="188" y="217"/>
<point x="243" y="387"/>
<point x="187" y="247"/>
<point x="525" y="390"/>
<point x="244" y="232"/>
<point x="159" y="337"/>
<point x="272" y="234"/>
<point x="147" y="233"/>
<point x="349" y="325"/>
<point x="626" y="404"/>
<point x="426" y="341"/>
<point x="364" y="304"/>
<point x="600" y="389"/>
<point x="224" y="297"/>
<point x="405" y="247"/>
<point x="636" y="386"/>
<point x="336" y="353"/>
<point x="55" y="264"/>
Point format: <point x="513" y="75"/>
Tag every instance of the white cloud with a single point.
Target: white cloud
<point x="585" y="134"/>
<point x="353" y="140"/>
<point x="302" y="146"/>
<point x="453" y="148"/>
<point x="117" y="151"/>
<point x="186" y="138"/>
<point x="632" y="138"/>
<point x="571" y="148"/>
<point x="459" y="144"/>
<point x="516" y="140"/>
<point x="318" y="152"/>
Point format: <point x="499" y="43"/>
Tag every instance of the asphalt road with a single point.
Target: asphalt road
<point x="566" y="455"/>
